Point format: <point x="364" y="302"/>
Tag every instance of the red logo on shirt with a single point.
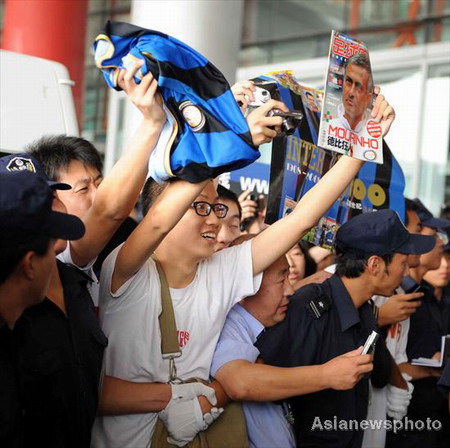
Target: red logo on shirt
<point x="395" y="331"/>
<point x="183" y="338"/>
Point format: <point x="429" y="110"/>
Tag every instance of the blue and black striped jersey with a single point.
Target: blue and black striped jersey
<point x="210" y="134"/>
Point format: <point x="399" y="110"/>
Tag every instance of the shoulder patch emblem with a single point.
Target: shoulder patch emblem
<point x="319" y="306"/>
<point x="21" y="164"/>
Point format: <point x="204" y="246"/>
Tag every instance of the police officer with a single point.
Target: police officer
<point x="327" y="320"/>
<point x="58" y="345"/>
<point x="28" y="232"/>
<point x="427" y="325"/>
<point x="444" y="383"/>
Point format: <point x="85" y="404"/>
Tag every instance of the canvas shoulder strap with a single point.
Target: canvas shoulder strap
<point x="167" y="324"/>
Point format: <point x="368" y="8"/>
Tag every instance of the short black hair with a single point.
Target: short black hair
<point x="361" y="60"/>
<point x="410" y="206"/>
<point x="150" y="192"/>
<point x="310" y="264"/>
<point x="56" y="152"/>
<point x="354" y="268"/>
<point x="225" y="193"/>
<point x="11" y="255"/>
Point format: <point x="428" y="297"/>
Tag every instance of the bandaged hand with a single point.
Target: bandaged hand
<point x="183" y="417"/>
<point x="398" y="401"/>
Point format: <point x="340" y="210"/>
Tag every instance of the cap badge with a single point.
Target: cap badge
<point x="21" y="164"/>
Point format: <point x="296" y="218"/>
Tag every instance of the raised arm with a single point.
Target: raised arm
<point x="118" y="193"/>
<point x="276" y="240"/>
<point x="168" y="209"/>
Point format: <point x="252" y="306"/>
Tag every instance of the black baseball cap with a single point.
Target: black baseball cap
<point x="380" y="233"/>
<point x="427" y="218"/>
<point x="16" y="163"/>
<point x="26" y="211"/>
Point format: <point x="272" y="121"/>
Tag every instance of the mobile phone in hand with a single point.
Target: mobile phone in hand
<point x="369" y="346"/>
<point x="415" y="288"/>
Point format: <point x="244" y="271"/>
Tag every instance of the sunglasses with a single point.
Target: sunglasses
<point x="203" y="208"/>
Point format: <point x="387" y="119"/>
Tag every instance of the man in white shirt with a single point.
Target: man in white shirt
<point x="181" y="228"/>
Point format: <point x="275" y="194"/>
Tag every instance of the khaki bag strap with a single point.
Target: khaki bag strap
<point x="169" y="339"/>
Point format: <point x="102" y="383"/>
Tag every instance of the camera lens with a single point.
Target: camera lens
<point x="288" y="127"/>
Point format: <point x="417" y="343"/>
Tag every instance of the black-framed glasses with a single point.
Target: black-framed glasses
<point x="203" y="208"/>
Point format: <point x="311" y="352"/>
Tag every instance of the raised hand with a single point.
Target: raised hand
<point x="264" y="129"/>
<point x="249" y="206"/>
<point x="398" y="308"/>
<point x="383" y="112"/>
<point x="145" y="95"/>
<point x="243" y="93"/>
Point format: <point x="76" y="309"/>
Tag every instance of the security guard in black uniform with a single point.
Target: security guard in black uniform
<point x="59" y="365"/>
<point x="327" y="320"/>
<point x="58" y="348"/>
<point x="28" y="232"/>
<point x="444" y="383"/>
<point x="427" y="326"/>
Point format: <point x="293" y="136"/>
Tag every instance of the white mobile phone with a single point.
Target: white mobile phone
<point x="369" y="346"/>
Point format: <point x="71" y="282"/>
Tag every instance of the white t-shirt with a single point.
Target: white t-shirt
<point x="397" y="336"/>
<point x="93" y="286"/>
<point x="396" y="341"/>
<point x="129" y="319"/>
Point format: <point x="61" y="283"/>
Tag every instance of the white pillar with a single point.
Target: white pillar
<point x="212" y="27"/>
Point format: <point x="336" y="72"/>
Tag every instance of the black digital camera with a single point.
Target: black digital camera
<point x="291" y="119"/>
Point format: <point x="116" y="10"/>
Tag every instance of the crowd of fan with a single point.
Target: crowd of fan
<point x="269" y="331"/>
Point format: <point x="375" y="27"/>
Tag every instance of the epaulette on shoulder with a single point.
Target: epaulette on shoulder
<point x="320" y="305"/>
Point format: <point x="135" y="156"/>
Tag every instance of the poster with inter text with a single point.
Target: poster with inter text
<point x="297" y="164"/>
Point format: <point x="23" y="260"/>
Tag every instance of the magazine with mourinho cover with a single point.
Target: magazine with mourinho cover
<point x="346" y="125"/>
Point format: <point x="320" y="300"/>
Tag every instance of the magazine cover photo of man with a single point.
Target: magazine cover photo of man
<point x="357" y="93"/>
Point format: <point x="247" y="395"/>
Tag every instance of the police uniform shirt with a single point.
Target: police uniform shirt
<point x="59" y="364"/>
<point x="304" y="339"/>
<point x="444" y="380"/>
<point x="427" y="325"/>
<point x="10" y="429"/>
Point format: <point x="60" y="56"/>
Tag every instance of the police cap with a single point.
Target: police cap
<point x="379" y="233"/>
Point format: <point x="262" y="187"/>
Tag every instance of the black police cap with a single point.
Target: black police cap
<point x="16" y="163"/>
<point x="427" y="219"/>
<point x="380" y="233"/>
<point x="26" y="211"/>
